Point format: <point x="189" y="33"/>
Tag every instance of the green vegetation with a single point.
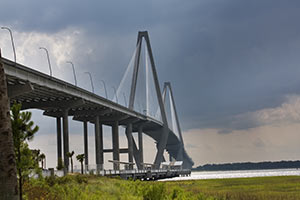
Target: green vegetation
<point x="60" y="164"/>
<point x="92" y="187"/>
<point x="70" y="155"/>
<point x="80" y="158"/>
<point x="23" y="130"/>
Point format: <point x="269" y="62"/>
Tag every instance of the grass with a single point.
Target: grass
<point x="80" y="187"/>
<point x="285" y="187"/>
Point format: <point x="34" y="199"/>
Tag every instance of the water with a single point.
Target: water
<point x="237" y="174"/>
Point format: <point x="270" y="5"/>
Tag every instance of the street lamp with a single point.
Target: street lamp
<point x="115" y="93"/>
<point x="48" y="59"/>
<point x="73" y="71"/>
<point x="91" y="80"/>
<point x="12" y="41"/>
<point x="104" y="88"/>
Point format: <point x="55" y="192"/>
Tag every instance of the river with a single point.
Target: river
<point x="237" y="174"/>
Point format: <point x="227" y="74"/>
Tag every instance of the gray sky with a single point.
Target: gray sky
<point x="233" y="65"/>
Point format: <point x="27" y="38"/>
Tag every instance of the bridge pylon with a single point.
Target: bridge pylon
<point x="178" y="153"/>
<point x="165" y="129"/>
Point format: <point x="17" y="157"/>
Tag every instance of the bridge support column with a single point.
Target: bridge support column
<point x="98" y="144"/>
<point x="115" y="141"/>
<point x="59" y="150"/>
<point x="141" y="147"/>
<point x="130" y="144"/>
<point x="161" y="146"/>
<point x="86" y="150"/>
<point x="101" y="155"/>
<point x="66" y="140"/>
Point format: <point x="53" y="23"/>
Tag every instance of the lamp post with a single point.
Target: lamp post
<point x="104" y="88"/>
<point x="91" y="79"/>
<point x="73" y="71"/>
<point x="46" y="50"/>
<point x="115" y="94"/>
<point x="12" y="41"/>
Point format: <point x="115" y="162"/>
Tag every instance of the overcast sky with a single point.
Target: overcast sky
<point x="233" y="65"/>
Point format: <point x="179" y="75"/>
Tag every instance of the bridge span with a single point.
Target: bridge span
<point x="59" y="99"/>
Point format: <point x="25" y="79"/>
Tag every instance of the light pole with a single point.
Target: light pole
<point x="125" y="99"/>
<point x="73" y="71"/>
<point x="46" y="50"/>
<point x="104" y="88"/>
<point x="12" y="41"/>
<point x="91" y="80"/>
<point x="115" y="93"/>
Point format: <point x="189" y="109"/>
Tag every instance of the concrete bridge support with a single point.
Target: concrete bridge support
<point x="98" y="144"/>
<point x="58" y="131"/>
<point x="130" y="144"/>
<point x="115" y="141"/>
<point x="66" y="140"/>
<point x="85" y="138"/>
<point x="141" y="147"/>
<point x="101" y="151"/>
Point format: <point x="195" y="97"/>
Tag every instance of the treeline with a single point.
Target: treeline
<point x="248" y="166"/>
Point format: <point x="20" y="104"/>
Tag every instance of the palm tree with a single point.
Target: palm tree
<point x="42" y="159"/>
<point x="8" y="172"/>
<point x="80" y="158"/>
<point x="70" y="155"/>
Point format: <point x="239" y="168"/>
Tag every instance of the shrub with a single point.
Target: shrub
<point x="155" y="191"/>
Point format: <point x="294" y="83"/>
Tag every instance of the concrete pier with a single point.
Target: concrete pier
<point x="130" y="144"/>
<point x="85" y="138"/>
<point x="66" y="140"/>
<point x="101" y="155"/>
<point x="141" y="147"/>
<point x="115" y="141"/>
<point x="58" y="131"/>
<point x="97" y="142"/>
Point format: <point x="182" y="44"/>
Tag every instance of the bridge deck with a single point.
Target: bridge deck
<point x="54" y="96"/>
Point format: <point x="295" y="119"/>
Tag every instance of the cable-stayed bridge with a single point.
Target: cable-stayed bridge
<point x="138" y="105"/>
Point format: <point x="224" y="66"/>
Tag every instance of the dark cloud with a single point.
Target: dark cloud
<point x="222" y="57"/>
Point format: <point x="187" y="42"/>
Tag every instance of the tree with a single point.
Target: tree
<point x="42" y="158"/>
<point x="8" y="172"/>
<point x="36" y="155"/>
<point x="60" y="164"/>
<point x="80" y="158"/>
<point x="23" y="130"/>
<point x="70" y="155"/>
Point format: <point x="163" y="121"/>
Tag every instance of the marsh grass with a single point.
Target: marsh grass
<point x="260" y="188"/>
<point x="92" y="187"/>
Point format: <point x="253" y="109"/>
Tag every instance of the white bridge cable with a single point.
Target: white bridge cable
<point x="140" y="94"/>
<point x="125" y="84"/>
<point x="145" y="100"/>
<point x="173" y="118"/>
<point x="147" y="81"/>
<point x="153" y="108"/>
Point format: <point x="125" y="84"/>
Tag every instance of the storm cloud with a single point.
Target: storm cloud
<point x="228" y="61"/>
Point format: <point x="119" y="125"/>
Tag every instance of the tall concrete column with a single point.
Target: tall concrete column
<point x="66" y="140"/>
<point x="86" y="149"/>
<point x="130" y="144"/>
<point x="115" y="141"/>
<point x="58" y="131"/>
<point x="141" y="147"/>
<point x="101" y="156"/>
<point x="97" y="142"/>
